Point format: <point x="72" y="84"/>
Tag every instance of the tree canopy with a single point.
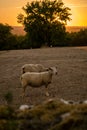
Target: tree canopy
<point x="44" y="21"/>
<point x="7" y="40"/>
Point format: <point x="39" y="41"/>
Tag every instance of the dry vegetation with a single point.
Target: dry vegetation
<point x="70" y="83"/>
<point x="51" y="115"/>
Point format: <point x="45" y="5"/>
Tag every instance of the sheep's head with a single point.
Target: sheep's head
<point x="53" y="70"/>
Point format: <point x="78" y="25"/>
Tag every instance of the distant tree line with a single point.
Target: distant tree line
<point x="44" y="22"/>
<point x="8" y="41"/>
<point x="76" y="38"/>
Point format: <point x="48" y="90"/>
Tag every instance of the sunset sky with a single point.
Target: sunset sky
<point x="9" y="10"/>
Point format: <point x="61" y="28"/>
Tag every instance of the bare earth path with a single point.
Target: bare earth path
<point x="70" y="83"/>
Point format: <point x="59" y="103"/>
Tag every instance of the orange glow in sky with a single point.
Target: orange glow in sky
<point x="9" y="10"/>
<point x="78" y="11"/>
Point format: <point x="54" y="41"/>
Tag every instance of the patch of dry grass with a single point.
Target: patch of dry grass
<point x="46" y="116"/>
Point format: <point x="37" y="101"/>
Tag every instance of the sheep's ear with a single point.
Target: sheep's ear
<point x="50" y="68"/>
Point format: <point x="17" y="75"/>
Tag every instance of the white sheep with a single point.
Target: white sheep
<point x="38" y="79"/>
<point x="33" y="68"/>
<point x="25" y="107"/>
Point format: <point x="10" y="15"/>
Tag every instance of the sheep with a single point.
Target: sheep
<point x="25" y="107"/>
<point x="37" y="79"/>
<point x="33" y="68"/>
<point x="67" y="102"/>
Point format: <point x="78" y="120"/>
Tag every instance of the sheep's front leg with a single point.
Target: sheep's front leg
<point x="47" y="94"/>
<point x="24" y="88"/>
<point x="24" y="85"/>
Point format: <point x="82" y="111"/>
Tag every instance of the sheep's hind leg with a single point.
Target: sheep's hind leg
<point x="47" y="94"/>
<point x="23" y="94"/>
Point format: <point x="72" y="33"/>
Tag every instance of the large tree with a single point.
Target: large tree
<point x="44" y="21"/>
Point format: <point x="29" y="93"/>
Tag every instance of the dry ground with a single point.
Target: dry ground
<point x="70" y="83"/>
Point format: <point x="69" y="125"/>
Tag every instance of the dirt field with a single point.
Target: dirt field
<point x="70" y="83"/>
